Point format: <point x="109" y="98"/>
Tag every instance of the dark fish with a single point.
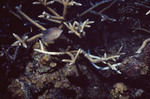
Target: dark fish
<point x="51" y="34"/>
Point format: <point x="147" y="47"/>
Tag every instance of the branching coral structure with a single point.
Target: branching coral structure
<point x="75" y="49"/>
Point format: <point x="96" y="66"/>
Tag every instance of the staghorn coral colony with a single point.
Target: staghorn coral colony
<point x="75" y="49"/>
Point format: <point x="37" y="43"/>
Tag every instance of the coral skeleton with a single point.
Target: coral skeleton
<point x="29" y="19"/>
<point x="93" y="59"/>
<point x="44" y="2"/>
<point x="73" y="58"/>
<point x="140" y="4"/>
<point x="93" y="7"/>
<point x="98" y="4"/>
<point x="113" y="67"/>
<point x="104" y="17"/>
<point x="57" y="18"/>
<point x="78" y="28"/>
<point x="114" y="1"/>
<point x="47" y="16"/>
<point x="20" y="41"/>
<point x="96" y="59"/>
<point x="25" y="39"/>
<point x="50" y="53"/>
<point x="143" y="45"/>
<point x="53" y="54"/>
<point x="148" y="12"/>
<point x="143" y="5"/>
<point x="140" y="28"/>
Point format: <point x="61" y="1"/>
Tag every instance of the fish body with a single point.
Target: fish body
<point x="51" y="34"/>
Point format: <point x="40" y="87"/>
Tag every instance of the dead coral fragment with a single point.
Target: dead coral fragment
<point x="44" y="60"/>
<point x="78" y="28"/>
<point x="119" y="91"/>
<point x="18" y="90"/>
<point x="15" y="90"/>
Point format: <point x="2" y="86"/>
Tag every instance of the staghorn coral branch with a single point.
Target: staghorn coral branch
<point x="103" y="16"/>
<point x="78" y="34"/>
<point x="23" y="41"/>
<point x="102" y="59"/>
<point x="88" y="10"/>
<point x="85" y="24"/>
<point x="71" y="3"/>
<point x="41" y="45"/>
<point x="52" y="53"/>
<point x="59" y="1"/>
<point x="56" y="19"/>
<point x="93" y="59"/>
<point x="50" y="2"/>
<point x="54" y="12"/>
<point x="148" y="12"/>
<point x="20" y="41"/>
<point x="143" y="45"/>
<point x="53" y="20"/>
<point x="65" y="3"/>
<point x="113" y="67"/>
<point x="76" y="56"/>
<point x="41" y="50"/>
<point x="71" y="55"/>
<point x="143" y="5"/>
<point x="78" y="28"/>
<point x="45" y="3"/>
<point x="108" y="6"/>
<point x="12" y="12"/>
<point x="97" y="59"/>
<point x="140" y="4"/>
<point x="141" y="29"/>
<point x="73" y="59"/>
<point x="35" y="37"/>
<point x="29" y="19"/>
